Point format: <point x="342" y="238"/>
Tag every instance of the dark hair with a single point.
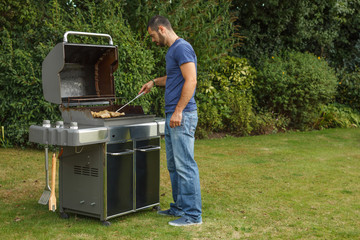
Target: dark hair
<point x="156" y="21"/>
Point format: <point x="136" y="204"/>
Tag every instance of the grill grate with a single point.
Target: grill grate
<point x="86" y="171"/>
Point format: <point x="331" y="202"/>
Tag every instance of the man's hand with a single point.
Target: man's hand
<point x="147" y="87"/>
<point x="175" y="119"/>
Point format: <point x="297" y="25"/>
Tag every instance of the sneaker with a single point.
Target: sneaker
<point x="184" y="221"/>
<point x="168" y="213"/>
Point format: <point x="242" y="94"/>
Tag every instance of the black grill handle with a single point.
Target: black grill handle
<point x="88" y="34"/>
<point x="148" y="148"/>
<point x="125" y="152"/>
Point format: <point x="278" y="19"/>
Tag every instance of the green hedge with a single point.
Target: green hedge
<point x="295" y="85"/>
<point x="348" y="90"/>
<point x="225" y="98"/>
<point x="327" y="28"/>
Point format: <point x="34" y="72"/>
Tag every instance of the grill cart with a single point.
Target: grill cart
<point x="109" y="167"/>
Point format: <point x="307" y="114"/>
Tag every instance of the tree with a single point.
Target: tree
<point x="328" y="29"/>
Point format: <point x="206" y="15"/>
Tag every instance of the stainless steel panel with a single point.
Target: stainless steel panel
<point x="77" y="80"/>
<point x="69" y="70"/>
<point x="80" y="179"/>
<point x="161" y="125"/>
<point x="136" y="131"/>
<point x="91" y="135"/>
<point x="51" y="66"/>
<point x="38" y="134"/>
<point x="67" y="136"/>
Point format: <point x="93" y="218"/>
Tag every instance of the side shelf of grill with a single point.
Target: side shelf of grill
<point x="68" y="137"/>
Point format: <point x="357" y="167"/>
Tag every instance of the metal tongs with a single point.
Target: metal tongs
<point x="130" y="101"/>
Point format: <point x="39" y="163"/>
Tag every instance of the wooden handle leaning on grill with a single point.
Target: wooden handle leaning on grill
<point x="52" y="200"/>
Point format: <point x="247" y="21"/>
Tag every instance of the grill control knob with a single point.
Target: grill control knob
<point x="46" y="123"/>
<point x="59" y="124"/>
<point x="74" y="125"/>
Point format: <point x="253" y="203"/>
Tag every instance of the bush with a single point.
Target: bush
<point x="225" y="97"/>
<point x="268" y="123"/>
<point x="348" y="90"/>
<point x="295" y="85"/>
<point x="337" y="116"/>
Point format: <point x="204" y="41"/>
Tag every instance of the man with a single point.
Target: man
<point x="181" y="122"/>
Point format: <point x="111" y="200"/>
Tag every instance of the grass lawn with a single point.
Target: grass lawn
<point x="284" y="186"/>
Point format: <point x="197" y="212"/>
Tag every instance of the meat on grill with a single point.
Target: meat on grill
<point x="106" y="114"/>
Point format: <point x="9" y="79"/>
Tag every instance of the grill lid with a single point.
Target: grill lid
<point x="80" y="74"/>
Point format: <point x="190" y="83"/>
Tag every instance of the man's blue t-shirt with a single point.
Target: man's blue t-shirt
<point x="180" y="52"/>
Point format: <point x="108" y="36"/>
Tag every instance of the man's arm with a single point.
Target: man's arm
<point x="161" y="81"/>
<point x="188" y="71"/>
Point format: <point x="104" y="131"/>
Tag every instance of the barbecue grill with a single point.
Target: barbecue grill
<point x="109" y="167"/>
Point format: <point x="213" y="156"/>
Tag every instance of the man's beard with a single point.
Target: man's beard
<point x="161" y="41"/>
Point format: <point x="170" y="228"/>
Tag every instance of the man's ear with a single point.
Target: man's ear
<point x="162" y="29"/>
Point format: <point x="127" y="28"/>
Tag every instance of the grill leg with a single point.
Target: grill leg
<point x="106" y="223"/>
<point x="64" y="215"/>
<point x="157" y="208"/>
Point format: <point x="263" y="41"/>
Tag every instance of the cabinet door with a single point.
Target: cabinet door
<point x="119" y="179"/>
<point x="80" y="180"/>
<point x="147" y="172"/>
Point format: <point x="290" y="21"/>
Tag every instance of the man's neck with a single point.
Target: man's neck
<point x="172" y="38"/>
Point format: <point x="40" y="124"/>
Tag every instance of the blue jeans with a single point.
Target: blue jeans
<point x="184" y="172"/>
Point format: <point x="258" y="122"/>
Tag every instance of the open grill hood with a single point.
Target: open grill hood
<point x="79" y="77"/>
<point x="77" y="74"/>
